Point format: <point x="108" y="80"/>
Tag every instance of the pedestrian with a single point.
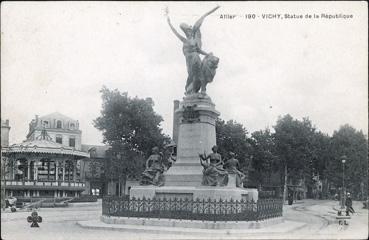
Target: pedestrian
<point x="348" y="204"/>
<point x="290" y="198"/>
<point x="11" y="202"/>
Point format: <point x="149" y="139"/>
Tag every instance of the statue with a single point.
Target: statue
<point x="153" y="173"/>
<point x="170" y="154"/>
<point x="213" y="173"/>
<point x="199" y="72"/>
<point x="232" y="166"/>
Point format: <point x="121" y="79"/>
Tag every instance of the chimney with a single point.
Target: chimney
<point x="175" y="121"/>
<point x="36" y="117"/>
<point x="5" y="128"/>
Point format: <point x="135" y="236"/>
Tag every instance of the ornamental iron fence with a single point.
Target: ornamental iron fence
<point x="203" y="210"/>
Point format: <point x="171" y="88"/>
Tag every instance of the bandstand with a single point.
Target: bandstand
<point x="42" y="168"/>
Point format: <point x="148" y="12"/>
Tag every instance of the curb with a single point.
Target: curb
<point x="98" y="225"/>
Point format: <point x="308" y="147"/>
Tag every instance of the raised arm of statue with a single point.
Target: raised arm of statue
<point x="201" y="19"/>
<point x="183" y="39"/>
<point x="202" y="52"/>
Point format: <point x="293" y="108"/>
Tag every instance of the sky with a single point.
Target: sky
<point x="56" y="57"/>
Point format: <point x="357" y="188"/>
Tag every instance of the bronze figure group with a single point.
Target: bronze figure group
<point x="200" y="72"/>
<point x="215" y="172"/>
<point x="153" y="174"/>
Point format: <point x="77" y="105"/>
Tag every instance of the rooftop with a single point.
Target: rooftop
<point x="57" y="115"/>
<point x="43" y="144"/>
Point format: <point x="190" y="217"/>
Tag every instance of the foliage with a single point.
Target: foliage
<point x="293" y="141"/>
<point x="353" y="144"/>
<point x="264" y="158"/>
<point x="129" y="122"/>
<point x="132" y="128"/>
<point x="232" y="137"/>
<point x="94" y="166"/>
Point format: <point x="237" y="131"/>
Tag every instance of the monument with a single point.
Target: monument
<point x="197" y="173"/>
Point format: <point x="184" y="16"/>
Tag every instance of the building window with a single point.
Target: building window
<point x="59" y="139"/>
<point x="46" y="124"/>
<point x="95" y="191"/>
<point x="72" y="142"/>
<point x="58" y="124"/>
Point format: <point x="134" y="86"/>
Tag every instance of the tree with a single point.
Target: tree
<point x="293" y="139"/>
<point x="354" y="145"/>
<point x="232" y="137"/>
<point x="264" y="158"/>
<point x="132" y="128"/>
<point x="322" y="152"/>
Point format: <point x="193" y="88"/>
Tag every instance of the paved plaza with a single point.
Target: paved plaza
<point x="307" y="219"/>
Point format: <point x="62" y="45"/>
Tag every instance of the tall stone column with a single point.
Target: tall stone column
<point x="196" y="134"/>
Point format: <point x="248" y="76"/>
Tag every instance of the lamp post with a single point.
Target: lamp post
<point x="343" y="159"/>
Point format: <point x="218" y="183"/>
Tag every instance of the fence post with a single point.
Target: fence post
<point x="159" y="207"/>
<point x="215" y="210"/>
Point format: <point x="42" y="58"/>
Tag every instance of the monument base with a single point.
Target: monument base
<point x="180" y="226"/>
<point x="194" y="193"/>
<point x="196" y="117"/>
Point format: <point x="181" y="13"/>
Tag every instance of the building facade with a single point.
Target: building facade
<point x="52" y="162"/>
<point x="60" y="128"/>
<point x="93" y="169"/>
<point x="47" y="163"/>
<point x="98" y="180"/>
<point x="42" y="168"/>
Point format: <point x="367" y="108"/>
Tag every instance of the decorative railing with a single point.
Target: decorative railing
<point x="42" y="183"/>
<point x="204" y="210"/>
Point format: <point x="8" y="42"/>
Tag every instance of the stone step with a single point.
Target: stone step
<point x="183" y="179"/>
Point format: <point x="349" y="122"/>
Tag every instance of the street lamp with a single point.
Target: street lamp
<point x="343" y="159"/>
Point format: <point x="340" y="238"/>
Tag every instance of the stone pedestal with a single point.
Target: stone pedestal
<point x="193" y="193"/>
<point x="196" y="134"/>
<point x="196" y="116"/>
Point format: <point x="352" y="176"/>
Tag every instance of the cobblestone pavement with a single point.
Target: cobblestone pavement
<point x="314" y="219"/>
